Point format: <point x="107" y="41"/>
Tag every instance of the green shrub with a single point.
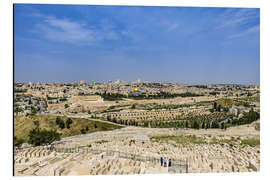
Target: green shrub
<point x="42" y="137"/>
<point x="60" y="122"/>
<point x="68" y="123"/>
<point x="18" y="141"/>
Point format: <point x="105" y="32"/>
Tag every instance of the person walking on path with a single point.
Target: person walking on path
<point x="170" y="163"/>
<point x="165" y="162"/>
<point x="161" y="161"/>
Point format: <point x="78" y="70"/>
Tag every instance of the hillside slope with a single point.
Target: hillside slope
<point x="23" y="124"/>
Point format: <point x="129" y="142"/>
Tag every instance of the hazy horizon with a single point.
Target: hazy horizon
<point x="98" y="82"/>
<point x="188" y="45"/>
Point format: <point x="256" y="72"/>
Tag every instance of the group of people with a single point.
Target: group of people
<point x="164" y="162"/>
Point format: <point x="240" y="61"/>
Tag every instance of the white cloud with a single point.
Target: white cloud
<point x="240" y="22"/>
<point x="236" y="17"/>
<point x="243" y="33"/>
<point x="66" y="30"/>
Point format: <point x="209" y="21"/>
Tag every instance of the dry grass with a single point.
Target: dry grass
<point x="23" y="124"/>
<point x="251" y="142"/>
<point x="192" y="139"/>
<point x="183" y="140"/>
<point x="225" y="102"/>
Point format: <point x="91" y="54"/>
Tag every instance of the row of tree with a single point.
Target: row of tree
<point x="216" y="120"/>
<point x="195" y="124"/>
<point x="160" y="95"/>
<point x="247" y="118"/>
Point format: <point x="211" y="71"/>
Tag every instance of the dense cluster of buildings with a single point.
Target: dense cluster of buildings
<point x="67" y="90"/>
<point x="24" y="104"/>
<point x="34" y="98"/>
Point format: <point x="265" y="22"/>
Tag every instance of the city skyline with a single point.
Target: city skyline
<point x="135" y="81"/>
<point x="67" y="43"/>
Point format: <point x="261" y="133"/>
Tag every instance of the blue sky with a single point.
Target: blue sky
<point x="196" y="45"/>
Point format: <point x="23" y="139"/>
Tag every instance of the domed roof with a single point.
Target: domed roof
<point x="136" y="89"/>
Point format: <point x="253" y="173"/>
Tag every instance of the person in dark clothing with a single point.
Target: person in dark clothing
<point x="161" y="161"/>
<point x="170" y="163"/>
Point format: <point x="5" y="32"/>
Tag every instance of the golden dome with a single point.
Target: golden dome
<point x="136" y="89"/>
